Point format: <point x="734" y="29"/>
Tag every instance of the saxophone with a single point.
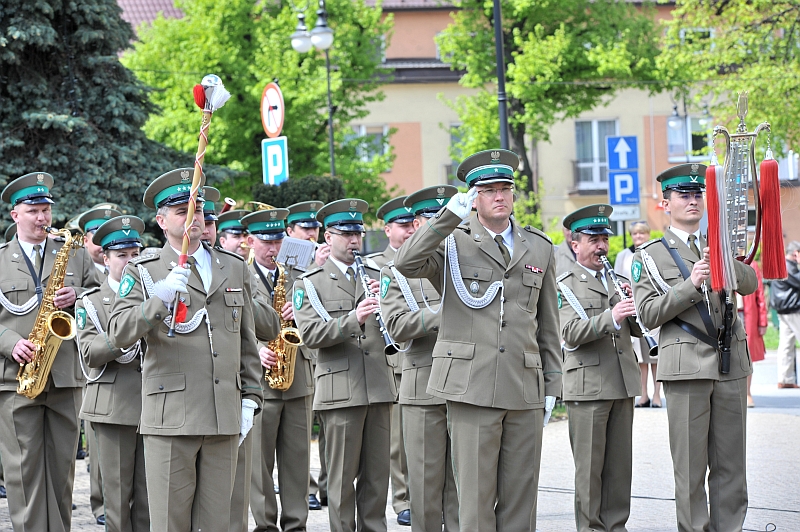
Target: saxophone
<point x="52" y="326"/>
<point x="281" y="375"/>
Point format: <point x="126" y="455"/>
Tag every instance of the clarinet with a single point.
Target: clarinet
<point x="648" y="337"/>
<point x="390" y="347"/>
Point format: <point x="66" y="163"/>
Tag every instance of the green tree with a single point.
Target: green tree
<point x="713" y="50"/>
<point x="247" y="44"/>
<point x="324" y="189"/>
<point x="563" y="57"/>
<point x="69" y="107"/>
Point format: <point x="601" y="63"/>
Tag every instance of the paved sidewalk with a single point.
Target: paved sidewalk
<point x="773" y="471"/>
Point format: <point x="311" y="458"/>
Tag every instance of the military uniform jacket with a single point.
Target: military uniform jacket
<point x="565" y="258"/>
<point x="114" y="391"/>
<point x="419" y="326"/>
<point x="379" y="261"/>
<point x="303" y="383"/>
<point x="681" y="356"/>
<point x="478" y="358"/>
<point x="18" y="288"/>
<point x="352" y="369"/>
<point x="189" y="388"/>
<point x="599" y="362"/>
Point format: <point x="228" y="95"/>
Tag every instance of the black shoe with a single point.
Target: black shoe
<point x="101" y="520"/>
<point x="404" y="518"/>
<point x="89" y="467"/>
<point x="323" y="500"/>
<point x="313" y="503"/>
<point x="3" y="494"/>
<point x="81" y="454"/>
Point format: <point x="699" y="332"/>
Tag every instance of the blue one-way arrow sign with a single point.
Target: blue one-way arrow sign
<point x="622" y="153"/>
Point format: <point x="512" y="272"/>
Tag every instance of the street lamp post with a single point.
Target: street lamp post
<point x="501" y="74"/>
<point x="321" y="38"/>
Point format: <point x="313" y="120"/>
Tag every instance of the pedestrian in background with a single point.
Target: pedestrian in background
<point x="784" y="297"/>
<point x="753" y="309"/>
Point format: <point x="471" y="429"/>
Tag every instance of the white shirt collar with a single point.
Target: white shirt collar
<point x="203" y="260"/>
<point x="507" y="234"/>
<point x="341" y="265"/>
<point x="112" y="284"/>
<point x="100" y="267"/>
<point x="684" y="236"/>
<point x="27" y="247"/>
<point x="269" y="274"/>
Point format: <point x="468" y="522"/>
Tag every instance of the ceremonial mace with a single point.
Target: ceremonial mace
<point x="209" y="96"/>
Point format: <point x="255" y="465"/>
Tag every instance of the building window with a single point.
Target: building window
<point x="697" y="38"/>
<point x="450" y="169"/>
<point x="688" y="138"/>
<point x="373" y="141"/>
<point x="591" y="166"/>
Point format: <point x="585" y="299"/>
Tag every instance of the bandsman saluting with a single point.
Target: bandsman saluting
<point x="601" y="375"/>
<point x="113" y="399"/>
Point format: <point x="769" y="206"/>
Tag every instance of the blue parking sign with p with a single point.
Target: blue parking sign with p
<point x="275" y="160"/>
<point x="623" y="188"/>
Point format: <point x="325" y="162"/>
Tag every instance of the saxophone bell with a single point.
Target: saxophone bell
<point x="281" y="375"/>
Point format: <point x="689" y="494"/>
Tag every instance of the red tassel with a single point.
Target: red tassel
<point x="715" y="250"/>
<point x="200" y="96"/>
<point x="180" y="316"/>
<point x="772" y="257"/>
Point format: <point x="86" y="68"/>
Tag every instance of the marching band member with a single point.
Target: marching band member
<point x="211" y="195"/>
<point x="601" y="375"/>
<point x="201" y="387"/>
<point x="496" y="361"/>
<point x="232" y="233"/>
<point x="112" y="402"/>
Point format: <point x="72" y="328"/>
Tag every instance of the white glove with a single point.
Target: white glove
<point x="248" y="411"/>
<point x="549" y="404"/>
<point x="175" y="282"/>
<point x="461" y="203"/>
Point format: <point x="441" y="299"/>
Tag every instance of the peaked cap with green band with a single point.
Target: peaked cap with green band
<point x="266" y="225"/>
<point x="395" y="211"/>
<point x="590" y="220"/>
<point x="304" y="214"/>
<point x="488" y="166"/>
<point x="31" y="188"/>
<point x="346" y="215"/>
<point x="94" y="218"/>
<point x="211" y="195"/>
<point x="231" y="221"/>
<point x="120" y="232"/>
<point x="172" y="188"/>
<point x="430" y="200"/>
<point x="689" y="177"/>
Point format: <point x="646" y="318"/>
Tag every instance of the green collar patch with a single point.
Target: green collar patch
<point x="385" y="282"/>
<point x="126" y="285"/>
<point x="559" y="300"/>
<point x="81" y="318"/>
<point x="299" y="294"/>
<point x="636" y="271"/>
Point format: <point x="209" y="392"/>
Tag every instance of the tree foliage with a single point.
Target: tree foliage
<point x="563" y="57"/>
<point x="715" y="49"/>
<point x="247" y="44"/>
<point x="324" y="189"/>
<point x="68" y="107"/>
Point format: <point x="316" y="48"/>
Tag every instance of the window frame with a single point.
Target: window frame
<point x="595" y="164"/>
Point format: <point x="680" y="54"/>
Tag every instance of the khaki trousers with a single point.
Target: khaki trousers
<point x="707" y="427"/>
<point x="397" y="458"/>
<point x="240" y="498"/>
<point x="95" y="482"/>
<point x="190" y="481"/>
<point x="496" y="456"/>
<point x="788" y="335"/>
<point x="119" y="452"/>
<point x="38" y="442"/>
<point x="432" y="487"/>
<point x="357" y="450"/>
<point x="601" y="433"/>
<point x="283" y="430"/>
<point x="319" y="486"/>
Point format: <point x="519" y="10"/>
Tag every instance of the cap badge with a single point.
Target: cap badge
<point x="495" y="156"/>
<point x="185" y="175"/>
<point x="440" y="191"/>
<point x="601" y="209"/>
<point x="40" y="178"/>
<point x="106" y="214"/>
<point x="353" y="204"/>
<point x="126" y="222"/>
<point x="695" y="167"/>
<point x="273" y="214"/>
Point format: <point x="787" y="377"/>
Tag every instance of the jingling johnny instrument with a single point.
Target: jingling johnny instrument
<point x="727" y="198"/>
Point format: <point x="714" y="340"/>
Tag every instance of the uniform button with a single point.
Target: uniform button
<point x="691" y="300"/>
<point x="211" y="327"/>
<point x="677" y="340"/>
<point x="160" y="386"/>
<point x="352" y="335"/>
<point x="505" y="275"/>
<point x="580" y="363"/>
<point x="426" y="297"/>
<point x="502" y="349"/>
<point x="436" y="328"/>
<point x="13" y="287"/>
<point x="366" y="353"/>
<point x="208" y="301"/>
<point x="329" y="370"/>
<point x="475" y="274"/>
<point x="449" y="353"/>
<point x="340" y="307"/>
<point x="215" y="353"/>
<point x="363" y="336"/>
<point x="216" y="381"/>
<point x="413" y="363"/>
<point x="158" y="316"/>
<point x="619" y="352"/>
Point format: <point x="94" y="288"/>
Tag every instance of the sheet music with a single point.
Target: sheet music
<point x="296" y="253"/>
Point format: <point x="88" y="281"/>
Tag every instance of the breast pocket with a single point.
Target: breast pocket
<point x="164" y="403"/>
<point x="452" y="365"/>
<point x="15" y="290"/>
<point x="592" y="305"/>
<point x="678" y="355"/>
<point x="333" y="380"/>
<point x="416" y="375"/>
<point x="339" y="307"/>
<point x="476" y="278"/>
<point x="528" y="295"/>
<point x="580" y="374"/>
<point x="234" y="303"/>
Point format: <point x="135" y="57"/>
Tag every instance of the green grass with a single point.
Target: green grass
<point x="771" y="338"/>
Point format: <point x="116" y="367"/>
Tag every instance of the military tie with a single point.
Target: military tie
<point x="351" y="274"/>
<point x="191" y="262"/>
<point x="601" y="278"/>
<point x="693" y="246"/>
<point x="503" y="248"/>
<point x="37" y="259"/>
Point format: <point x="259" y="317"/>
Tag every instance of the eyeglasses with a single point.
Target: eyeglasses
<point x="362" y="234"/>
<point x="492" y="192"/>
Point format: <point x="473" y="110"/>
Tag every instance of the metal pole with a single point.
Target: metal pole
<point x="501" y="75"/>
<point x="330" y="113"/>
<point x="687" y="137"/>
<point x="624" y="236"/>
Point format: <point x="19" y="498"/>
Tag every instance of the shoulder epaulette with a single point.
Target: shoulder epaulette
<point x="144" y="258"/>
<point x="531" y="229"/>
<point x="649" y="242"/>
<point x="231" y="253"/>
<point x="376" y="254"/>
<point x="563" y="276"/>
<point x="90" y="291"/>
<point x="309" y="273"/>
<point x="4" y="244"/>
